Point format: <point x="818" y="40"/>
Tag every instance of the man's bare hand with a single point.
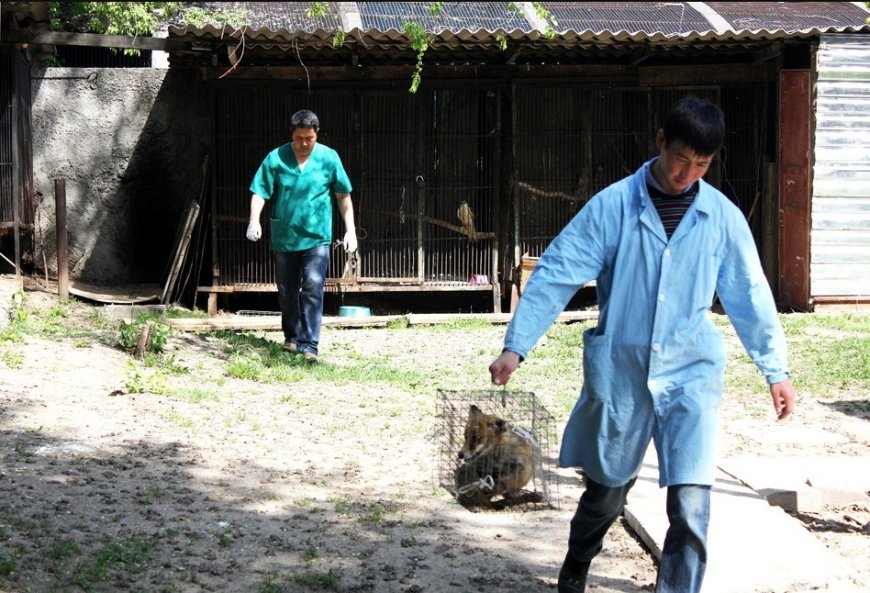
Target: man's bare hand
<point x="783" y="398"/>
<point x="503" y="367"/>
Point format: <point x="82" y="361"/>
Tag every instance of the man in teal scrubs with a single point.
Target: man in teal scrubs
<point x="659" y="244"/>
<point x="299" y="179"/>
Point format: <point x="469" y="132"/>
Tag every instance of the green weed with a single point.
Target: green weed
<point x="13" y="360"/>
<point x="342" y="507"/>
<point x="141" y="380"/>
<point x="63" y="549"/>
<point x="129" y="332"/>
<point x="310" y="551"/>
<point x="319" y="580"/>
<point x="131" y="554"/>
<point x="7" y="564"/>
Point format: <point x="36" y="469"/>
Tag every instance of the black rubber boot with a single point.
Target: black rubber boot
<point x="572" y="576"/>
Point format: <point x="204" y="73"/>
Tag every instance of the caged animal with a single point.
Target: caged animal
<point x="497" y="459"/>
<point x="466" y="217"/>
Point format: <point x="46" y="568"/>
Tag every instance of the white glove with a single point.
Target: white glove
<point x="255" y="231"/>
<point x="349" y="242"/>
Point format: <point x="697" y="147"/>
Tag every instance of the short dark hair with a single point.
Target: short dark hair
<point x="697" y="123"/>
<point x="304" y="119"/>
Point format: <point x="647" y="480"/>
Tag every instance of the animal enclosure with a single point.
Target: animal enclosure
<point x="513" y="467"/>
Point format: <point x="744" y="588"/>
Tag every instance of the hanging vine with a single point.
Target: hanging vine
<point x="143" y="18"/>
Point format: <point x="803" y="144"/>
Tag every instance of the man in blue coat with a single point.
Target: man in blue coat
<point x="659" y="244"/>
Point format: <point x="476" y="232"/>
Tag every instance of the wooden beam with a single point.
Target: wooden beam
<point x="31" y="36"/>
<point x="273" y="322"/>
<point x="704" y="74"/>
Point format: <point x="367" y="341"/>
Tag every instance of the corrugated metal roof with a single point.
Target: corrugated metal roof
<point x="577" y="19"/>
<point x="790" y="16"/>
<point x="669" y="18"/>
<point x="373" y="29"/>
<point x="455" y="16"/>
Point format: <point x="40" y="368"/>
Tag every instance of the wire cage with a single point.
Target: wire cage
<point x="496" y="450"/>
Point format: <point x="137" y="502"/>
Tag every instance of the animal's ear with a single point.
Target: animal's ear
<point x="474" y="411"/>
<point x="501" y="424"/>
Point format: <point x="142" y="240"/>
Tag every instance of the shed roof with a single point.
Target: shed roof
<point x="276" y="19"/>
<point x="478" y="31"/>
<point x="473" y="32"/>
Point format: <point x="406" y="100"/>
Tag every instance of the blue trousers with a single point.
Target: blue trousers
<point x="300" y="276"/>
<point x="684" y="557"/>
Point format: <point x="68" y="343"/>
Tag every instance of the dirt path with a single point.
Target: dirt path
<point x="238" y="485"/>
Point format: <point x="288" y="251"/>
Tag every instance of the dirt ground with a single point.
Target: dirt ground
<point x="246" y="486"/>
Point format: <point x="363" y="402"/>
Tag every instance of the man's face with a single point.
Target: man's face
<point x="304" y="140"/>
<point x="678" y="166"/>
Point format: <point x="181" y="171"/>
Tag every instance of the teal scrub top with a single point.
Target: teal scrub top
<point x="653" y="368"/>
<point x="301" y="200"/>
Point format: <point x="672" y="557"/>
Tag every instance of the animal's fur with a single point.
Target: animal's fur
<point x="497" y="459"/>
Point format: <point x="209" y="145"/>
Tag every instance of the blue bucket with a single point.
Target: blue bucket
<point x="354" y="312"/>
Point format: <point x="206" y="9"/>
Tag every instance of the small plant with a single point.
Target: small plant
<point x="310" y="552"/>
<point x="373" y="517"/>
<point x="130" y="554"/>
<point x="7" y="564"/>
<point x="342" y="507"/>
<point x="13" y="360"/>
<point x="321" y="580"/>
<point x="137" y="380"/>
<point x="63" y="549"/>
<point x="131" y="331"/>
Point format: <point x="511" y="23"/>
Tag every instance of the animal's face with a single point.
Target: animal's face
<point x="482" y="431"/>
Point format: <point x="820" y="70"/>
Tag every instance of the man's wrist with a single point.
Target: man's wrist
<point x="520" y="356"/>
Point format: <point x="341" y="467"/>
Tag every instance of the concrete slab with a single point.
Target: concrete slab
<point x="804" y="484"/>
<point x="752" y="546"/>
<point x="9" y="286"/>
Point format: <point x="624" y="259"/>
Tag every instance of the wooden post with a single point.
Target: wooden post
<point x="61" y="232"/>
<point x="144" y="342"/>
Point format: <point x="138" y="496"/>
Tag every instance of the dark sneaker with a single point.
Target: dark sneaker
<point x="290" y="346"/>
<point x="572" y="576"/>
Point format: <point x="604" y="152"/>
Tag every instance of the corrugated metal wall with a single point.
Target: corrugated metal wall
<point x="840" y="236"/>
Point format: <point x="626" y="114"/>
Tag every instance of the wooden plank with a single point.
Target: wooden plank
<point x="794" y="188"/>
<point x="273" y="322"/>
<point x="120" y="295"/>
<point x="191" y="214"/>
<point x="706" y="74"/>
<point x="93" y="40"/>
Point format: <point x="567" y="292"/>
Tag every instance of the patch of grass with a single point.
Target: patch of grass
<point x="166" y="362"/>
<point x="195" y="395"/>
<point x="176" y="312"/>
<point x="8" y="565"/>
<point x="255" y="358"/>
<point x="461" y="324"/>
<point x="319" y="580"/>
<point x="129" y="333"/>
<point x="13" y="360"/>
<point x="310" y="551"/>
<point x="400" y="323"/>
<point x="823" y="366"/>
<point x="130" y="554"/>
<point x="63" y="549"/>
<point x="179" y="419"/>
<point x="141" y="380"/>
<point x="342" y="507"/>
<point x="374" y="516"/>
